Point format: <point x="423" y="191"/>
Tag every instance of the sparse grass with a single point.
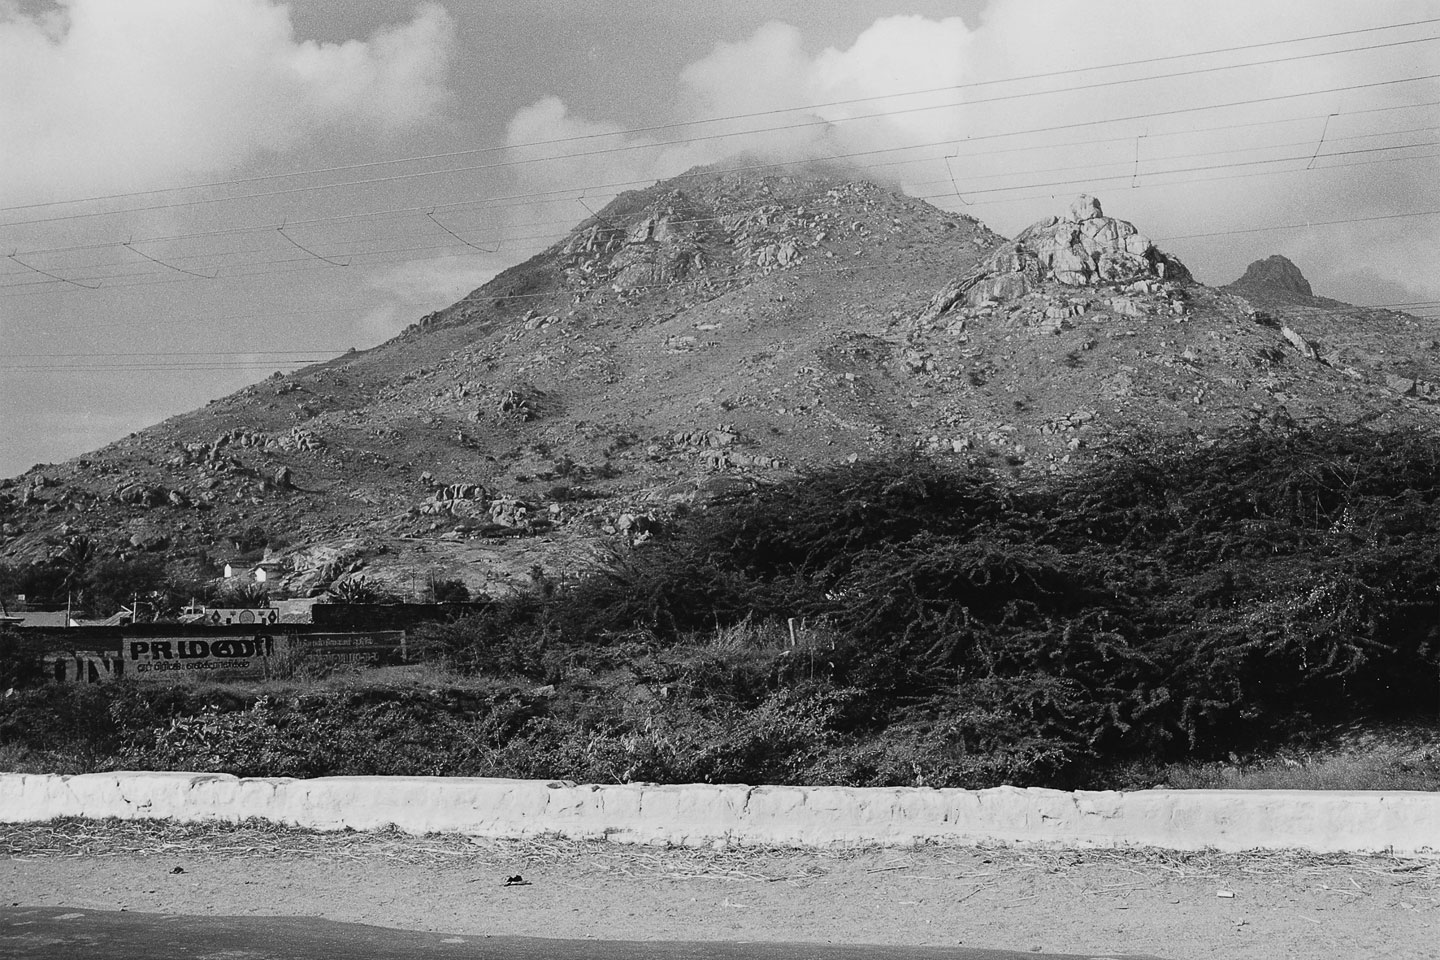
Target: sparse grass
<point x="1361" y="757"/>
<point x="746" y="634"/>
<point x="774" y="636"/>
<point x="344" y="678"/>
<point x="1382" y="772"/>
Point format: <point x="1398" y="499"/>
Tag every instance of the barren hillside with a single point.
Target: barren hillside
<point x="718" y="330"/>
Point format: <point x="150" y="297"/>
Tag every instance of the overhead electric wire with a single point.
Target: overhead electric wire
<point x="143" y="369"/>
<point x="557" y="193"/>
<point x="1216" y="153"/>
<point x="212" y="255"/>
<point x="726" y="135"/>
<point x="1301" y="226"/>
<point x="560" y="195"/>
<point x="226" y="318"/>
<point x="1187" y="180"/>
<point x="853" y="267"/>
<point x="1192" y="131"/>
<point x="86" y="367"/>
<point x="301" y="264"/>
<point x="1215" y="166"/>
<point x="160" y="358"/>
<point x="16" y="257"/>
<point x="304" y="263"/>
<point x="357" y="255"/>
<point x="799" y="272"/>
<point x="632" y="131"/>
<point x="180" y="353"/>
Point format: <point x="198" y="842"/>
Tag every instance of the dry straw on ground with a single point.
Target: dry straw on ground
<point x="77" y="838"/>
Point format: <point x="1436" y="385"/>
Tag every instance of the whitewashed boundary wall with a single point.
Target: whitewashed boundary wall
<point x="1404" y="823"/>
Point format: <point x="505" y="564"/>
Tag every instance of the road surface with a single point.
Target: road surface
<point x="58" y="933"/>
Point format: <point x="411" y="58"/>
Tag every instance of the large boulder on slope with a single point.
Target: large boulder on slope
<point x="1082" y="248"/>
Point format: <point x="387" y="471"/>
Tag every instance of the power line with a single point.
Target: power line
<point x="304" y="249"/>
<point x="1216" y="166"/>
<point x="128" y="245"/>
<point x="373" y="255"/>
<point x="43" y="273"/>
<point x="762" y="166"/>
<point x="92" y="324"/>
<point x="182" y="353"/>
<point x="1304" y="226"/>
<point x="498" y="240"/>
<point x="848" y="268"/>
<point x="851" y="267"/>
<point x="632" y="131"/>
<point x="358" y="255"/>
<point x="717" y="136"/>
<point x="1172" y="183"/>
<point x="303" y="261"/>
<point x="1217" y="153"/>
<point x="160" y="368"/>
<point x="1192" y="131"/>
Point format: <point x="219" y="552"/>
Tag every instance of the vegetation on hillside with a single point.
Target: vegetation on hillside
<point x="890" y="622"/>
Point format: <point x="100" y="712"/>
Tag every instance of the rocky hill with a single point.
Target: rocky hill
<point x="719" y="330"/>
<point x="1273" y="276"/>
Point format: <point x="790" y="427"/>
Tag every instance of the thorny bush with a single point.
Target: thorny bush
<point x="903" y="621"/>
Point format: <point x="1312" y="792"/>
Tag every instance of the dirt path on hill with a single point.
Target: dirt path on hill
<point x="1105" y="902"/>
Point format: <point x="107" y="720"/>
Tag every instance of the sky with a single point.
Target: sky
<point x="195" y="194"/>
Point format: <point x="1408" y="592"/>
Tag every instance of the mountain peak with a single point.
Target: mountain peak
<point x="706" y="231"/>
<point x="699" y="337"/>
<point x="1277" y="273"/>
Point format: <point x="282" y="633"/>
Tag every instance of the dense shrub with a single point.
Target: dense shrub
<point x="1177" y="596"/>
<point x="509" y="637"/>
<point x="20" y="659"/>
<point x="899" y="622"/>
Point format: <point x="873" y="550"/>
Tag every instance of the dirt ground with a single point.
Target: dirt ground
<point x="1145" y="902"/>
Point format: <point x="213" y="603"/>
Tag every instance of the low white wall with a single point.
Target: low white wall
<point x="1403" y="822"/>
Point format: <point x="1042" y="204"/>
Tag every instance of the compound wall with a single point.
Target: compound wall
<point x="1405" y="823"/>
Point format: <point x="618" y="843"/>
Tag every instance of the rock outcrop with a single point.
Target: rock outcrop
<point x="1082" y="248"/>
<point x="1275" y="273"/>
<point x="660" y="244"/>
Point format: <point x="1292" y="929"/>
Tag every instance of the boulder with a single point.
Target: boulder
<point x="140" y="495"/>
<point x="1405" y="386"/>
<point x="1084" y="207"/>
<point x="509" y="513"/>
<point x="467" y="508"/>
<point x="514" y="403"/>
<point x="1299" y="342"/>
<point x="1084" y="248"/>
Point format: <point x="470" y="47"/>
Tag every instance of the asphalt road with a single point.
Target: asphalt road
<point x="57" y="933"/>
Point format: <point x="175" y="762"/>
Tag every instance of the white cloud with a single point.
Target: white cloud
<point x="427" y="284"/>
<point x="113" y="96"/>
<point x="560" y="150"/>
<point x="378" y="324"/>
<point x="970" y="111"/>
<point x="419" y="287"/>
